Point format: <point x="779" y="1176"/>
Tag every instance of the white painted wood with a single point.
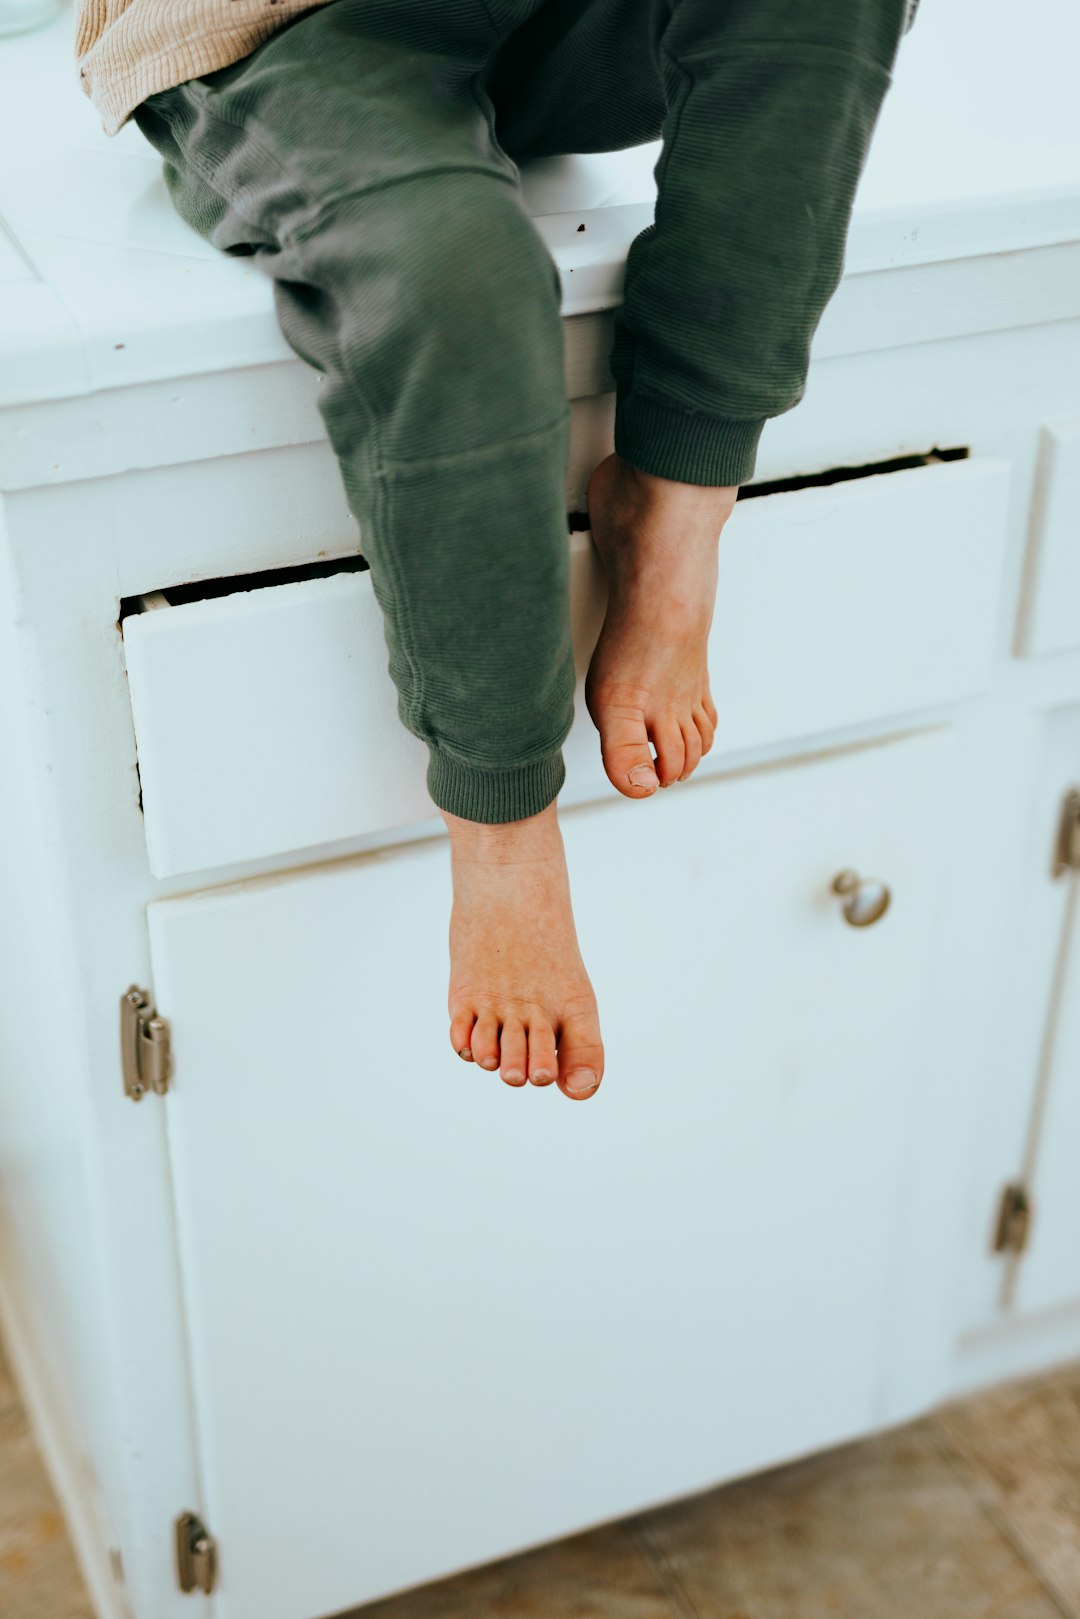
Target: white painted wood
<point x="266" y="720"/>
<point x="1042" y="1002"/>
<point x="473" y="1318"/>
<point x="989" y="386"/>
<point x="49" y="1299"/>
<point x="1025" y="1130"/>
<point x="1053" y="601"/>
<point x="951" y="1093"/>
<point x="1049" y="1272"/>
<point x="862" y="598"/>
<point x="224" y="515"/>
<point x="87" y="1246"/>
<point x="1021" y="1347"/>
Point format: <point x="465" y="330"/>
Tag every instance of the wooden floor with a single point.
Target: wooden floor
<point x="971" y="1513"/>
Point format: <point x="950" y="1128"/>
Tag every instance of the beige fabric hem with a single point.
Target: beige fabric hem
<point x="127" y="63"/>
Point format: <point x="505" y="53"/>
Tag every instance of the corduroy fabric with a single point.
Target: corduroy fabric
<point x="365" y="154"/>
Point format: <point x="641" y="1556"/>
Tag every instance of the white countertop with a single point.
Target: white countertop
<point x="977" y="151"/>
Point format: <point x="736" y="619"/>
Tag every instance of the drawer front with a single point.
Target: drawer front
<point x="266" y="720"/>
<point x="865" y="598"/>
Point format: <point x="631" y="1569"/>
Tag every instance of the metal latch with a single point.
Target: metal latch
<point x="1013" y="1220"/>
<point x="196" y="1554"/>
<point x="144" y="1045"/>
<point x="1067" y="852"/>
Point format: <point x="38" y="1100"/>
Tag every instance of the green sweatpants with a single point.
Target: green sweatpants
<point x="367" y="155"/>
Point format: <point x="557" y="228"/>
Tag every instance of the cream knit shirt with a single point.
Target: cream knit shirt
<point x="128" y="49"/>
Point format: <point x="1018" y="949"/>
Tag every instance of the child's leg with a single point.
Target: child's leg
<point x="363" y="174"/>
<point x="352" y="154"/>
<point x="766" y="109"/>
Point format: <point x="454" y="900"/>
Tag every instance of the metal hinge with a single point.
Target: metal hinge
<point x="196" y="1554"/>
<point x="1013" y="1220"/>
<point x="1067" y="849"/>
<point x="144" y="1045"/>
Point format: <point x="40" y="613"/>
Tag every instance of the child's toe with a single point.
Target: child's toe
<point x="461" y="1028"/>
<point x="485" y="1040"/>
<point x="670" y="749"/>
<point x="513" y="1050"/>
<point x="581" y="1057"/>
<point x="543" y="1061"/>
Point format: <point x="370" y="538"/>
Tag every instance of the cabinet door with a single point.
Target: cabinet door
<point x="435" y="1320"/>
<point x="1045" y="976"/>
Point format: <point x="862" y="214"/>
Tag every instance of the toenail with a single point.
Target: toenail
<point x="541" y="1078"/>
<point x="513" y="1073"/>
<point x="489" y="1062"/>
<point x="466" y="1052"/>
<point x="642" y="776"/>
<point x="581" y="1081"/>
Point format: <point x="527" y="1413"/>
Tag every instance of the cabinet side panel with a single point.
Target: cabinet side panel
<point x="48" y="1304"/>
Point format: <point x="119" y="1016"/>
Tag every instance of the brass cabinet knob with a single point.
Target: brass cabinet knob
<point x="866" y="899"/>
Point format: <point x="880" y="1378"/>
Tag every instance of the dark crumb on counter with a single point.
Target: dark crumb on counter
<point x="581" y="227"/>
<point x="119" y="345"/>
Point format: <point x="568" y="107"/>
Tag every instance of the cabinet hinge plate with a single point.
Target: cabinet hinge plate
<point x="196" y="1554"/>
<point x="1013" y="1219"/>
<point x="145" y="1045"/>
<point x="1067" y="851"/>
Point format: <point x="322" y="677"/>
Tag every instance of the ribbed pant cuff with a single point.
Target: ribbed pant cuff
<point x="684" y="445"/>
<point x="476" y="793"/>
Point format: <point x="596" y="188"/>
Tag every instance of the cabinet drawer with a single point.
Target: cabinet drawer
<point x="859" y="599"/>
<point x="266" y="720"/>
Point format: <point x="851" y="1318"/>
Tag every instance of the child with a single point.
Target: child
<point x="365" y="153"/>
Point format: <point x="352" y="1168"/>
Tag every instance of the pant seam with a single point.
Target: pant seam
<point x="382" y="474"/>
<point x="433" y="463"/>
<point x="311" y="221"/>
<point x="495" y="34"/>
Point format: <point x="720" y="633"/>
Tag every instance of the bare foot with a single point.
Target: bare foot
<point x="520" y="998"/>
<point x="649" y="678"/>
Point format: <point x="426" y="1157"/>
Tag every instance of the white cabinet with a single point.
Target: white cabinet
<point x="368" y="1313"/>
<point x="335" y="1290"/>
<point x="434" y="1320"/>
